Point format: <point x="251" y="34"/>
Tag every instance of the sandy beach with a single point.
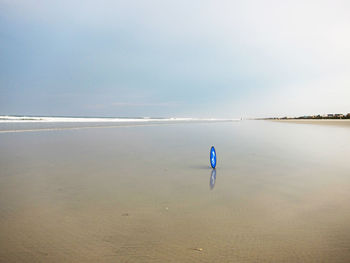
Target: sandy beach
<point x="341" y="123"/>
<point x="147" y="194"/>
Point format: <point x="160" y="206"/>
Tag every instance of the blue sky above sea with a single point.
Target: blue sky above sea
<point x="224" y="59"/>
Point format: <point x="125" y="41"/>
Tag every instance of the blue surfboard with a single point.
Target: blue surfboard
<point x="212" y="157"/>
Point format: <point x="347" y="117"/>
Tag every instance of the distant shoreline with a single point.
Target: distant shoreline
<point x="54" y="119"/>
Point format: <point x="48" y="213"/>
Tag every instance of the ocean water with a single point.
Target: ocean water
<point x="10" y="124"/>
<point x="280" y="193"/>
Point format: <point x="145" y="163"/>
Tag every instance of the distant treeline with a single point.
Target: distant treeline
<point x="315" y="117"/>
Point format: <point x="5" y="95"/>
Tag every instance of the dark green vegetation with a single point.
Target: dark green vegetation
<point x="317" y="117"/>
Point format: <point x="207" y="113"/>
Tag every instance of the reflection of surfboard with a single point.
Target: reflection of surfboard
<point x="212" y="178"/>
<point x="212" y="157"/>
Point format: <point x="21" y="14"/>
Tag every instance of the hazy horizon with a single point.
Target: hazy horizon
<point x="157" y="117"/>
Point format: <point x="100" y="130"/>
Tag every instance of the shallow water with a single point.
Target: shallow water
<point x="281" y="192"/>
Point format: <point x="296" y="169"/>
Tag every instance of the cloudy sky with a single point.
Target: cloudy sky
<point x="174" y="58"/>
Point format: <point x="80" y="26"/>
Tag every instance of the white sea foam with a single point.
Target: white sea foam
<point x="33" y="119"/>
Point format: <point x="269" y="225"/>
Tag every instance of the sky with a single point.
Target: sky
<point x="222" y="59"/>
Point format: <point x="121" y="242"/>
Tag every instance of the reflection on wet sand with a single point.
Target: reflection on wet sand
<point x="212" y="179"/>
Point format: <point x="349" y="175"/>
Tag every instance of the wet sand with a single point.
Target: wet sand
<point x="146" y="194"/>
<point x="341" y="123"/>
